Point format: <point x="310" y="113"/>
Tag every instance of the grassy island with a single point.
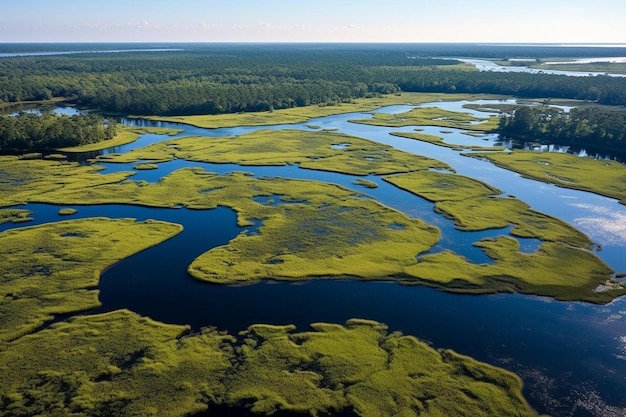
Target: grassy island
<point x="54" y="268"/>
<point x="123" y="364"/>
<point x="439" y="141"/>
<point x="365" y="183"/>
<point x="145" y="166"/>
<point x="15" y="215"/>
<point x="432" y="116"/>
<point x="67" y="211"/>
<point x="602" y="177"/>
<point x="326" y="151"/>
<point x="563" y="267"/>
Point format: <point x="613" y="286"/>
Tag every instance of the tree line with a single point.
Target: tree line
<point x="49" y="131"/>
<point x="585" y="127"/>
<point x="235" y="78"/>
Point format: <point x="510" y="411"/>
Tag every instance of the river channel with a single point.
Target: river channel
<point x="571" y="356"/>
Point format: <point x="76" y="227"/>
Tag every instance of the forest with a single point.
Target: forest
<point x="48" y="131"/>
<point x="227" y="79"/>
<point x="233" y="78"/>
<point x="586" y="126"/>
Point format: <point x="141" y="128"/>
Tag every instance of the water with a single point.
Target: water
<point x="571" y="356"/>
<point x="92" y="51"/>
<point x="14" y="110"/>
<point x="484" y="65"/>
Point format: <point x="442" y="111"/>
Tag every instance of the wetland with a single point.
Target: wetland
<point x="323" y="220"/>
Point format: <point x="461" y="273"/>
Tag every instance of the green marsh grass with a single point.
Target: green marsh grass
<point x="66" y="211"/>
<point x="302" y="114"/>
<point x="439" y="141"/>
<point x="15" y="215"/>
<point x="432" y="116"/>
<point x="55" y="268"/>
<point x="310" y="149"/>
<point x="122" y="364"/>
<point x="365" y="183"/>
<point x="602" y="177"/>
<point x="145" y="166"/>
<point x="326" y="231"/>
<point x="563" y="267"/>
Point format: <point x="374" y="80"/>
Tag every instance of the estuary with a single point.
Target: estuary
<point x="570" y="355"/>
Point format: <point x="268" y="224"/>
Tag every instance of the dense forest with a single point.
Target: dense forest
<point x="233" y="78"/>
<point x="48" y="131"/>
<point x="595" y="127"/>
<point x="229" y="78"/>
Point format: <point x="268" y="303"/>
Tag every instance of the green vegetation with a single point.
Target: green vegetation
<point x="312" y="150"/>
<point x="212" y="79"/>
<point x="332" y="234"/>
<point x="605" y="67"/>
<point x="125" y="135"/>
<point x="67" y="211"/>
<point x="15" y="215"/>
<point x="302" y="114"/>
<point x="597" y="176"/>
<point x="122" y="364"/>
<point x="48" y="131"/>
<point x="555" y="270"/>
<point x="145" y="166"/>
<point x="596" y="127"/>
<point x="54" y="268"/>
<point x="320" y="230"/>
<point x="439" y="141"/>
<point x="563" y="267"/>
<point x="474" y="205"/>
<point x="432" y="116"/>
<point x="365" y="183"/>
<point x="26" y="180"/>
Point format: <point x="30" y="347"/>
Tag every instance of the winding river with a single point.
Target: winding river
<point x="571" y="356"/>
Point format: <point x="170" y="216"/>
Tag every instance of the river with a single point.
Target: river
<point x="571" y="355"/>
<point x="485" y="65"/>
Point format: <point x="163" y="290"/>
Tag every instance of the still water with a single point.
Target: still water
<point x="484" y="65"/>
<point x="571" y="356"/>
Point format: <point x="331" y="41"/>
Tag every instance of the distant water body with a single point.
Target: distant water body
<point x="101" y="51"/>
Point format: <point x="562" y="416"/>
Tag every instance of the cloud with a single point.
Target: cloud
<point x="603" y="224"/>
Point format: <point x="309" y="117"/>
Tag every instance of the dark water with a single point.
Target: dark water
<point x="571" y="356"/>
<point x="558" y="347"/>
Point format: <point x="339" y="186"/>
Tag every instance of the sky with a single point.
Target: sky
<point x="527" y="21"/>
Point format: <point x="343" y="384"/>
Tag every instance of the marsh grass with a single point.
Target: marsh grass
<point x="145" y="166"/>
<point x="55" y="268"/>
<point x="432" y="116"/>
<point x="122" y="364"/>
<point x="66" y="211"/>
<point x="563" y="267"/>
<point x="15" y="215"/>
<point x="334" y="233"/>
<point x="26" y="180"/>
<point x="365" y="183"/>
<point x="310" y="149"/>
<point x="606" y="67"/>
<point x="602" y="177"/>
<point x="329" y="236"/>
<point x="302" y="114"/>
<point x="439" y="141"/>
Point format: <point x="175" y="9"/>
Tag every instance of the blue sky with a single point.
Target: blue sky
<point x="550" y="21"/>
